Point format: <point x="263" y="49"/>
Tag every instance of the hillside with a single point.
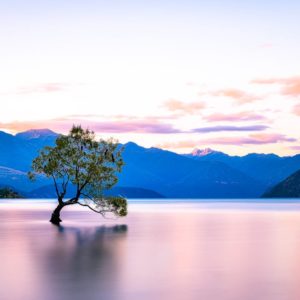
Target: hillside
<point x="176" y="176"/>
<point x="7" y="192"/>
<point x="288" y="188"/>
<point x="153" y="172"/>
<point x="269" y="169"/>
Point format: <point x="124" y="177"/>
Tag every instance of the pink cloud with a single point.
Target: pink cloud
<point x="136" y="126"/>
<point x="295" y="148"/>
<point x="290" y="86"/>
<point x="178" y="145"/>
<point x="180" y="106"/>
<point x="236" y="94"/>
<point x="49" y="87"/>
<point x="107" y="126"/>
<point x="240" y="116"/>
<point x="296" y="110"/>
<point x="252" y="139"/>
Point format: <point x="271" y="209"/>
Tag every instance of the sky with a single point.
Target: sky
<point x="172" y="74"/>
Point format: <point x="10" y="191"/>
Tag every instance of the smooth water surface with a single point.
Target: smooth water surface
<point x="162" y="250"/>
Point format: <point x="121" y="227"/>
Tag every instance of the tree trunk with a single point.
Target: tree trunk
<point x="55" y="218"/>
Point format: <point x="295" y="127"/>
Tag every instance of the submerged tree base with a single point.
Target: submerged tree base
<point x="55" y="220"/>
<point x="55" y="217"/>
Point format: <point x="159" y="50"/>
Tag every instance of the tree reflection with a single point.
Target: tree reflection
<point x="85" y="262"/>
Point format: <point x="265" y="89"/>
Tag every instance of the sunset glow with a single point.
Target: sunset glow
<point x="171" y="74"/>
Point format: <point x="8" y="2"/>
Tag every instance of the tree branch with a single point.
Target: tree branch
<point x="102" y="212"/>
<point x="64" y="185"/>
<point x="91" y="208"/>
<point x="57" y="191"/>
<point x="73" y="200"/>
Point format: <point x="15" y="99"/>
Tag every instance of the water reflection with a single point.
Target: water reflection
<point x="181" y="254"/>
<point x="83" y="262"/>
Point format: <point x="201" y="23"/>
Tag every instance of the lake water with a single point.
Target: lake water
<point x="175" y="250"/>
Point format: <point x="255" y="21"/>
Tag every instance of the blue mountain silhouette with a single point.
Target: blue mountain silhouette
<point x="153" y="172"/>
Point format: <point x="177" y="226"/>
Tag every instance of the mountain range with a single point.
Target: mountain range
<point x="153" y="172"/>
<point x="268" y="169"/>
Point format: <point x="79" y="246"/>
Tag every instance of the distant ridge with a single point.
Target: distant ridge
<point x="288" y="188"/>
<point x="154" y="172"/>
<point x="36" y="133"/>
<point x="269" y="169"/>
<point x="48" y="191"/>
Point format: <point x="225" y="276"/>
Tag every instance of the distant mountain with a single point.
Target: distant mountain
<point x="203" y="152"/>
<point x="17" y="151"/>
<point x="48" y="191"/>
<point x="153" y="172"/>
<point x="176" y="176"/>
<point x="288" y="188"/>
<point x="32" y="134"/>
<point x="269" y="169"/>
<point x="19" y="179"/>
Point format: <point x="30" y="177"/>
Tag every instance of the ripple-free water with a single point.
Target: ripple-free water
<point x="175" y="249"/>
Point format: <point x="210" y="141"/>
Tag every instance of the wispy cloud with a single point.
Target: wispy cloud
<point x="183" y="107"/>
<point x="104" y="126"/>
<point x="240" y="116"/>
<point x="253" y="139"/>
<point x="50" y="87"/>
<point x="236" y="94"/>
<point x="296" y="110"/>
<point x="137" y="126"/>
<point x="119" y="117"/>
<point x="289" y="86"/>
<point x="121" y="124"/>
<point x="295" y="147"/>
<point x="230" y="128"/>
<point x="39" y="88"/>
<point x="179" y="145"/>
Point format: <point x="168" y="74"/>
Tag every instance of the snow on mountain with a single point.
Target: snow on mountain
<point x="203" y="152"/>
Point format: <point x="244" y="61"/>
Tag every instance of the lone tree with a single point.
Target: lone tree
<point x="85" y="166"/>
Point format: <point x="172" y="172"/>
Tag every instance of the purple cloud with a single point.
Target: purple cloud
<point x="295" y="148"/>
<point x="230" y="128"/>
<point x="254" y="139"/>
<point x="107" y="126"/>
<point x="240" y="116"/>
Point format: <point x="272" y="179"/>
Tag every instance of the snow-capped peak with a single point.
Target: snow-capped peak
<point x="202" y="152"/>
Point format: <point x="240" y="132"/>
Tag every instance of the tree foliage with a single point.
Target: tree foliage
<point x="90" y="166"/>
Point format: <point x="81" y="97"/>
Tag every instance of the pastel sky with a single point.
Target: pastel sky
<point x="173" y="74"/>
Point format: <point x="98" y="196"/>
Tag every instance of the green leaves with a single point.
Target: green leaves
<point x="116" y="205"/>
<point x="89" y="165"/>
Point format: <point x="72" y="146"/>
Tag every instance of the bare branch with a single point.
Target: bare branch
<point x="91" y="208"/>
<point x="56" y="189"/>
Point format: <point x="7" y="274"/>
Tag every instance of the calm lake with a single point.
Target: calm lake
<point x="177" y="250"/>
